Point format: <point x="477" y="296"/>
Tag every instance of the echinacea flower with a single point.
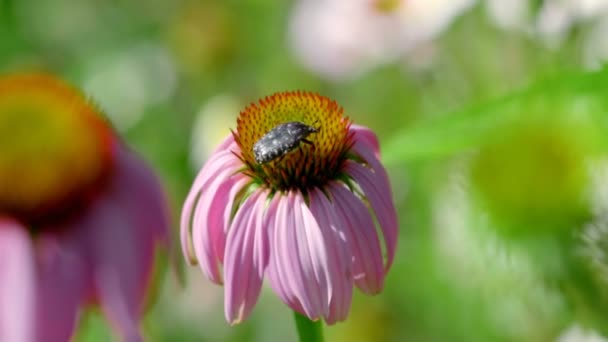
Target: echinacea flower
<point x="304" y="220"/>
<point x="80" y="215"/>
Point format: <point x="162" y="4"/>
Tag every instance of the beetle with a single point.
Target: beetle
<point x="281" y="140"/>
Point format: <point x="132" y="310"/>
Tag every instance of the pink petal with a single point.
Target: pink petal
<point x="300" y="257"/>
<point x="63" y="276"/>
<point x="212" y="217"/>
<point x="368" y="265"/>
<point x="276" y="282"/>
<point x="215" y="167"/>
<point x="376" y="188"/>
<point x="222" y="152"/>
<point x="246" y="258"/>
<point x="17" y="284"/>
<point x="339" y="262"/>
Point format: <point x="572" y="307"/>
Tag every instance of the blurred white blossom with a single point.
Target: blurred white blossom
<point x="554" y="20"/>
<point x="577" y="334"/>
<point x="595" y="48"/>
<point x="342" y="38"/>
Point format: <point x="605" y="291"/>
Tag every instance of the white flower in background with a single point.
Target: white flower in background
<point x="554" y="17"/>
<point x="343" y="38"/>
<point x="554" y="20"/>
<point x="595" y="46"/>
<point x="577" y="334"/>
<point x="209" y="127"/>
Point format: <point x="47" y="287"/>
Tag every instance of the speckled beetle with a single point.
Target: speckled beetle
<point x="281" y="140"/>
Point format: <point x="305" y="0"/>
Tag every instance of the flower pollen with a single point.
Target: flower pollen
<point x="310" y="164"/>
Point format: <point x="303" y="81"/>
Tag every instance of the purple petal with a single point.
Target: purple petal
<point x="366" y="139"/>
<point x="139" y="196"/>
<point x="63" y="276"/>
<point x="339" y="262"/>
<point x="120" y="262"/>
<point x="17" y="284"/>
<point x="376" y="188"/>
<point x="246" y="258"/>
<point x="368" y="268"/>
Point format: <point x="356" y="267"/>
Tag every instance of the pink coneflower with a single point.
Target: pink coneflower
<point x="80" y="215"/>
<point x="305" y="220"/>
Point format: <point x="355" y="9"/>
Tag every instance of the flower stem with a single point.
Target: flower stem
<point x="308" y="331"/>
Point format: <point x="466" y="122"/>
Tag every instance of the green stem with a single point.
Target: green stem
<point x="308" y="331"/>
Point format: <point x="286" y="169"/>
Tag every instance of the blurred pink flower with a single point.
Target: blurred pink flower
<point x="305" y="220"/>
<point x="340" y="39"/>
<point x="86" y="232"/>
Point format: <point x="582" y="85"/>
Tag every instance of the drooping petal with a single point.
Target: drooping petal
<point x="116" y="262"/>
<point x="366" y="137"/>
<point x="211" y="171"/>
<point x="367" y="147"/>
<point x="340" y="254"/>
<point x="246" y="258"/>
<point x="139" y="195"/>
<point x="62" y="278"/>
<point x="17" y="284"/>
<point x="368" y="268"/>
<point x="122" y="229"/>
<point x="376" y="188"/>
<point x="300" y="256"/>
<point x="212" y="214"/>
<point x="187" y="211"/>
<point x="281" y="288"/>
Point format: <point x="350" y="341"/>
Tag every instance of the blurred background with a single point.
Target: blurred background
<point x="492" y="121"/>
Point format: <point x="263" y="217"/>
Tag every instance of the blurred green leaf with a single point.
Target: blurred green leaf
<point x="472" y="126"/>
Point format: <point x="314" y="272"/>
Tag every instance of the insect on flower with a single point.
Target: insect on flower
<point x="281" y="140"/>
<point x="315" y="224"/>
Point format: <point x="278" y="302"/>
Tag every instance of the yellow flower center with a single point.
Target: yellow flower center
<point x="54" y="147"/>
<point x="308" y="164"/>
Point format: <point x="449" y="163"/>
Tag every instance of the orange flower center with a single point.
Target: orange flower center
<point x="303" y="161"/>
<point x="54" y="147"/>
